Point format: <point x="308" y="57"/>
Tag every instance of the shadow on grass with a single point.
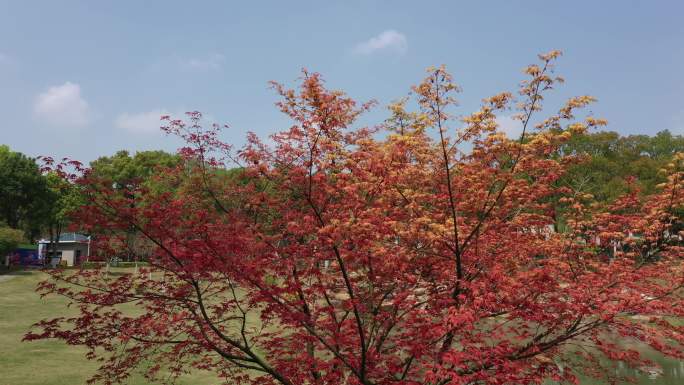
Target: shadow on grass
<point x="17" y="271"/>
<point x="22" y="272"/>
<point x="119" y="273"/>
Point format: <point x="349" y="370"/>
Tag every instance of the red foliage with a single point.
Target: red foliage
<point x="423" y="257"/>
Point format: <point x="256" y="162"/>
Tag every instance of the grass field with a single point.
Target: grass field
<point x="45" y="362"/>
<point x="55" y="363"/>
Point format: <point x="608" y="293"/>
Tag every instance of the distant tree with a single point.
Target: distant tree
<point x="9" y="240"/>
<point x="611" y="161"/>
<point x="23" y="192"/>
<point x="127" y="174"/>
<point x="62" y="199"/>
<point x="663" y="146"/>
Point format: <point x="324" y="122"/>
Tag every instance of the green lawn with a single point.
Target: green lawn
<point x="55" y="363"/>
<point x="45" y="362"/>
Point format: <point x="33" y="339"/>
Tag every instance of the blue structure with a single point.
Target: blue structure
<point x="25" y="257"/>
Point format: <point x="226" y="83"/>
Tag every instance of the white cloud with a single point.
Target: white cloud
<point x="211" y="62"/>
<point x="389" y="40"/>
<point x="511" y="127"/>
<point x="143" y="122"/>
<point x="62" y="106"/>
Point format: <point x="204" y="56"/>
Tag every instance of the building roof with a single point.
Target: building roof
<point x="70" y="237"/>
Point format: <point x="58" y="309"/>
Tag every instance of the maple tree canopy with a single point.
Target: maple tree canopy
<point x="425" y="250"/>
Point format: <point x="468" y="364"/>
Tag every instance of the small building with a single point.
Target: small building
<point x="71" y="248"/>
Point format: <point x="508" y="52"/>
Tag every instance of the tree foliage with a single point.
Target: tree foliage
<point x="60" y="200"/>
<point x="613" y="159"/>
<point x="128" y="171"/>
<point x="422" y="256"/>
<point x="9" y="240"/>
<point x="23" y="192"/>
<point x="124" y="174"/>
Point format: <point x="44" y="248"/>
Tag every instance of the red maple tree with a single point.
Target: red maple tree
<point x="430" y="253"/>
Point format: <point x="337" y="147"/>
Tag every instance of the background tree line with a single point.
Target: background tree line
<point x="34" y="204"/>
<point x="614" y="161"/>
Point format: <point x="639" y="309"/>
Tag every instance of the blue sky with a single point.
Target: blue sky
<point x="84" y="78"/>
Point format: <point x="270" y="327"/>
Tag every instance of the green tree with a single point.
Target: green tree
<point x="664" y="145"/>
<point x="61" y="200"/>
<point x="9" y="240"/>
<point x="612" y="160"/>
<point x="125" y="174"/>
<point x="23" y="191"/>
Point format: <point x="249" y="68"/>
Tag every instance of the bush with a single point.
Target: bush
<point x="9" y="239"/>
